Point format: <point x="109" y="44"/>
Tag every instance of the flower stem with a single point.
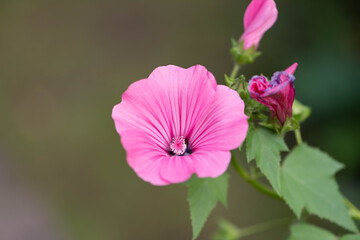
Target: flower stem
<point x="298" y="136"/>
<point x="257" y="185"/>
<point x="353" y="211"/>
<point x="262" y="227"/>
<point x="235" y="71"/>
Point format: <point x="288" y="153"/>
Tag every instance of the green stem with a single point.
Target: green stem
<point x="353" y="211"/>
<point x="235" y="71"/>
<point x="298" y="136"/>
<point x="262" y="227"/>
<point x="257" y="185"/>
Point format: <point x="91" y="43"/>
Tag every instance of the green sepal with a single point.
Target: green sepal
<point x="240" y="85"/>
<point x="229" y="81"/>
<point x="290" y="124"/>
<point x="226" y="231"/>
<point x="300" y="111"/>
<point x="242" y="56"/>
<point x="243" y="89"/>
<point x="242" y="78"/>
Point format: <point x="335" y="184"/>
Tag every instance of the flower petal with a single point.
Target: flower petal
<point x="291" y="70"/>
<point x="186" y="93"/>
<point x="224" y="126"/>
<point x="259" y="16"/>
<point x="151" y="173"/>
<point x="143" y="156"/>
<point x="210" y="163"/>
<point x="279" y="100"/>
<point x="183" y="75"/>
<point x="176" y="169"/>
<point x="141" y="110"/>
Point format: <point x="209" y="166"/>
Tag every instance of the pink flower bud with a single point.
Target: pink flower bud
<point x="278" y="94"/>
<point x="260" y="15"/>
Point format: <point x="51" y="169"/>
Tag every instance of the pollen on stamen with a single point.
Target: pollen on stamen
<point x="178" y="145"/>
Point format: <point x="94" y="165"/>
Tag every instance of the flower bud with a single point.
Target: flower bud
<point x="278" y="94"/>
<point x="260" y="15"/>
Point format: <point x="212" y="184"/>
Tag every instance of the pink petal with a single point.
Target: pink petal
<point x="172" y="75"/>
<point x="186" y="93"/>
<point x="140" y="110"/>
<point x="151" y="173"/>
<point x="144" y="156"/>
<point x="176" y="169"/>
<point x="210" y="163"/>
<point x="280" y="100"/>
<point x="259" y="16"/>
<point x="291" y="70"/>
<point x="225" y="125"/>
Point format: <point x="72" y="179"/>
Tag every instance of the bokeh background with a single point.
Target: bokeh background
<point x="64" y="64"/>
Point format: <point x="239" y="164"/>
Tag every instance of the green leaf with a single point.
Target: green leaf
<point x="265" y="147"/>
<point x="350" y="237"/>
<point x="303" y="231"/>
<point x="307" y="181"/>
<point x="203" y="195"/>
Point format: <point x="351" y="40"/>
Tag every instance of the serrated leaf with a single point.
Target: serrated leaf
<point x="265" y="146"/>
<point x="303" y="231"/>
<point x="203" y="195"/>
<point x="307" y="182"/>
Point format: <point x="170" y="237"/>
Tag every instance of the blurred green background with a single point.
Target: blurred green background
<point x="64" y="64"/>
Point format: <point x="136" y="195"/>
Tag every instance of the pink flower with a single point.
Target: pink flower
<point x="278" y="94"/>
<point x="260" y="15"/>
<point x="178" y="122"/>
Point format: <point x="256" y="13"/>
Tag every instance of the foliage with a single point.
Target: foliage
<point x="265" y="146"/>
<point x="307" y="180"/>
<point x="302" y="231"/>
<point x="203" y="195"/>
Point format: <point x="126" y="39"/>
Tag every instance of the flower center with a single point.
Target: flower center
<point x="178" y="146"/>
